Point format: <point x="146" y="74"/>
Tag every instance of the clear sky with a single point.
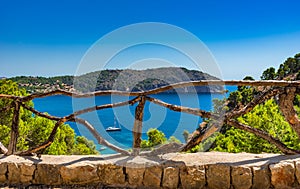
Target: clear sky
<point x="46" y="38"/>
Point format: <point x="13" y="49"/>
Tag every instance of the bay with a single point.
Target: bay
<point x="170" y="122"/>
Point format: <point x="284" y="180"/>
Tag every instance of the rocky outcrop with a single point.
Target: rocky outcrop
<point x="175" y="170"/>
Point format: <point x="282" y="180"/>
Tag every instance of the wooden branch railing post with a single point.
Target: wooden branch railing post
<point x="286" y="105"/>
<point x="14" y="133"/>
<point x="137" y="127"/>
<point x="3" y="149"/>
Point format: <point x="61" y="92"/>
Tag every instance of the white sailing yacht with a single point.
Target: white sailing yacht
<point x="114" y="127"/>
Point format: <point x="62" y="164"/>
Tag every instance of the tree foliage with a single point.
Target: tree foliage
<point x="34" y="130"/>
<point x="289" y="69"/>
<point x="266" y="117"/>
<point x="269" y="74"/>
<point x="157" y="137"/>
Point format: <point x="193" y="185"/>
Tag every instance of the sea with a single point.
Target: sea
<point x="169" y="122"/>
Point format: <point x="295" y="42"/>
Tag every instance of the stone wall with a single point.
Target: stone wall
<point x="200" y="170"/>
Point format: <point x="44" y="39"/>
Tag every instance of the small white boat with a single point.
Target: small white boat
<point x="114" y="127"/>
<point x="102" y="148"/>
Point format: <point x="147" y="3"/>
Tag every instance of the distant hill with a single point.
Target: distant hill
<point x="124" y="80"/>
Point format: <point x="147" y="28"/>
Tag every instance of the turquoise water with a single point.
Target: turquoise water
<point x="170" y="122"/>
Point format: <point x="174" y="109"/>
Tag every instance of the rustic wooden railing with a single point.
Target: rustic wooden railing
<point x="285" y="91"/>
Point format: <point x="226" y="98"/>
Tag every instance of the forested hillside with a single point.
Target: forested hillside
<point x="124" y="80"/>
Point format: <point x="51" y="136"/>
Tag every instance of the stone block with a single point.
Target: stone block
<point x="135" y="176"/>
<point x="261" y="177"/>
<point x="47" y="174"/>
<point x="14" y="173"/>
<point x="111" y="174"/>
<point x="282" y="174"/>
<point x="152" y="177"/>
<point x="241" y="177"/>
<point x="192" y="177"/>
<point x="79" y="174"/>
<point x="218" y="176"/>
<point x="297" y="170"/>
<point x="27" y="172"/>
<point x="170" y="177"/>
<point x="3" y="171"/>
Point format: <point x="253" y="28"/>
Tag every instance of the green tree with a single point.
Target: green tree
<point x="269" y="74"/>
<point x="33" y="130"/>
<point x="155" y="137"/>
<point x="266" y="117"/>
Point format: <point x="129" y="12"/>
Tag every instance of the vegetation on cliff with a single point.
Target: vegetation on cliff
<point x="266" y="116"/>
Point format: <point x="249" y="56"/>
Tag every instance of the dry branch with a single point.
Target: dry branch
<point x="262" y="134"/>
<point x="138" y="125"/>
<point x="100" y="140"/>
<point x="3" y="149"/>
<point x="100" y="107"/>
<point x="222" y="83"/>
<point x="286" y="106"/>
<point x="257" y="100"/>
<point x="79" y="95"/>
<point x="9" y="96"/>
<point x="200" y="135"/>
<point x="14" y="133"/>
<point x="54" y="118"/>
<point x="194" y="111"/>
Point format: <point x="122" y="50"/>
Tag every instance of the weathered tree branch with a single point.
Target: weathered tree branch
<point x="201" y="133"/>
<point x="3" y="149"/>
<point x="9" y="96"/>
<point x="194" y="111"/>
<point x="14" y="133"/>
<point x="257" y="100"/>
<point x="222" y="83"/>
<point x="100" y="139"/>
<point x="286" y="106"/>
<point x="90" y="109"/>
<point x="262" y="134"/>
<point x="78" y="95"/>
<point x="138" y="125"/>
<point x="54" y="118"/>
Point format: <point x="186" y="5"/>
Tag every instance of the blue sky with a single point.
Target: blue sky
<point x="49" y="38"/>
